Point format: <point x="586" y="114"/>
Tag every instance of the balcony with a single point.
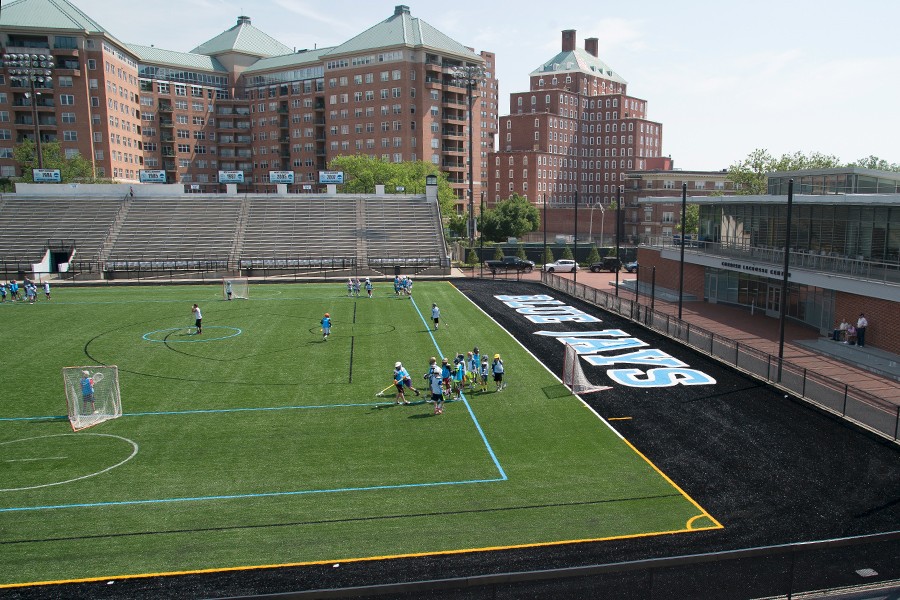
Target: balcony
<point x="820" y="263"/>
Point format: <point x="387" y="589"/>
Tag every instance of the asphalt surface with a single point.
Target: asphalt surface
<point x="771" y="469"/>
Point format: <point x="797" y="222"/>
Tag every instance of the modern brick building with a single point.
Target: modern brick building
<point x="242" y="101"/>
<point x="576" y="128"/>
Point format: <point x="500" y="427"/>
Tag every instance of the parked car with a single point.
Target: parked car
<point x="609" y="263"/>
<point x="510" y="263"/>
<point x="632" y="266"/>
<point x="563" y="266"/>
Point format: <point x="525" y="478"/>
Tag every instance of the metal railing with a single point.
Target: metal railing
<point x="822" y="262"/>
<point x="848" y="402"/>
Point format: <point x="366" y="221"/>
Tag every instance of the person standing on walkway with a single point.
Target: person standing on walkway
<point x="861" y="325"/>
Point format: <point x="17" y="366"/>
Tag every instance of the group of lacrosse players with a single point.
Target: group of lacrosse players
<point x="28" y="287"/>
<point x="354" y="285"/>
<point x="402" y="285"/>
<point x="445" y="381"/>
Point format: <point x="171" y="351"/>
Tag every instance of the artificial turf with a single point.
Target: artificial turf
<point x="257" y="443"/>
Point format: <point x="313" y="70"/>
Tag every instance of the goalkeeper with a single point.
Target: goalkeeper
<point x="87" y="392"/>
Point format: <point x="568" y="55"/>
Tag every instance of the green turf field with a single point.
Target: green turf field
<point x="259" y="444"/>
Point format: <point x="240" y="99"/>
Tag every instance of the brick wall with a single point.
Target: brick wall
<point x="668" y="273"/>
<point x="883" y="317"/>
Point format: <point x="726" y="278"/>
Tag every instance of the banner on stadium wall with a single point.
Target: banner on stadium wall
<point x="46" y="175"/>
<point x="231" y="177"/>
<point x="152" y="176"/>
<point x="281" y="177"/>
<point x="331" y="177"/>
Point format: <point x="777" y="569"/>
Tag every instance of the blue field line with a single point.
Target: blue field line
<point x="487" y="444"/>
<point x="244" y="496"/>
<point x="207" y="410"/>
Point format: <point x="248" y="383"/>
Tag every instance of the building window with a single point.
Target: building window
<point x="70" y="136"/>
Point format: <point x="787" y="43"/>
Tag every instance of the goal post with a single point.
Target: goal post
<point x="238" y="286"/>
<point x="573" y="375"/>
<point x="92" y="395"/>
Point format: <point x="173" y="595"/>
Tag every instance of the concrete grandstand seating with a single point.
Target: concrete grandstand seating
<point x="177" y="230"/>
<point x="227" y="232"/>
<point x="27" y="224"/>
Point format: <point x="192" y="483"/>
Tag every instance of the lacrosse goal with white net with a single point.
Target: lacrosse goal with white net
<point x="92" y="395"/>
<point x="573" y="375"/>
<point x="238" y="286"/>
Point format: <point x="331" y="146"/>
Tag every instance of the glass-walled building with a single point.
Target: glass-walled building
<point x="844" y="251"/>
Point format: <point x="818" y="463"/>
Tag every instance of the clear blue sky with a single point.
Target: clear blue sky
<point x="724" y="78"/>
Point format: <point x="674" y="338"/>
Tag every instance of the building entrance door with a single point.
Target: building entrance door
<point x="773" y="301"/>
<point x="712" y="286"/>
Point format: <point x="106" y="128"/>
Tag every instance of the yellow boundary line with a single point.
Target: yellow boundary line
<point x="358" y="560"/>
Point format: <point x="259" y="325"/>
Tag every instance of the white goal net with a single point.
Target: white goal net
<point x="236" y="287"/>
<point x="573" y="375"/>
<point x="92" y="395"/>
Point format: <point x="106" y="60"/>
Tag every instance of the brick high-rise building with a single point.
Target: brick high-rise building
<point x="242" y="101"/>
<point x="575" y="128"/>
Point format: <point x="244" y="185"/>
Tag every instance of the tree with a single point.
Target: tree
<point x="512" y="217"/>
<point x="498" y="253"/>
<point x="691" y="219"/>
<point x="749" y="175"/>
<point x="548" y="256"/>
<point x="520" y="252"/>
<point x="363" y="173"/>
<point x="566" y="253"/>
<point x="72" y="169"/>
<point x="873" y="162"/>
<point x="593" y="255"/>
<point x="456" y="223"/>
<point x="472" y="258"/>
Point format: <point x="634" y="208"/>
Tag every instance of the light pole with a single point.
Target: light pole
<point x="470" y="76"/>
<point x="602" y="223"/>
<point x="29" y="69"/>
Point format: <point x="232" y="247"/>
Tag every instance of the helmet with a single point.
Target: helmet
<point x="433" y="304"/>
<point x="397" y="365"/>
<point x="86" y="372"/>
<point x="444" y="360"/>
<point x="475" y="349"/>
<point x="496" y="356"/>
<point x="327" y="315"/>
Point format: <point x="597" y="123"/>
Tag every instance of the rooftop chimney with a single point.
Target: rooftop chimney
<point x="401" y="9"/>
<point x="568" y="40"/>
<point x="243" y="20"/>
<point x="590" y="45"/>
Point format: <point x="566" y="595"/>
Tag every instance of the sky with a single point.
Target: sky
<point x="723" y="78"/>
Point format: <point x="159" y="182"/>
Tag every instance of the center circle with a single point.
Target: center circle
<point x="165" y="335"/>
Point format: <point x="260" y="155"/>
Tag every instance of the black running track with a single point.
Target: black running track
<point x="772" y="470"/>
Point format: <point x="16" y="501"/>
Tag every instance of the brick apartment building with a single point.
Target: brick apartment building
<point x="575" y="128"/>
<point x="242" y="101"/>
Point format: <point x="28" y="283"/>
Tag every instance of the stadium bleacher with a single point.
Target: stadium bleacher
<point x="305" y="232"/>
